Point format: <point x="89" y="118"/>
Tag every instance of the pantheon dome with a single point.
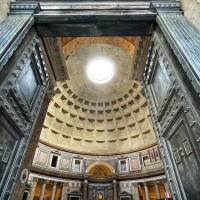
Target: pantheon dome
<point x="89" y="117"/>
<point x="99" y="100"/>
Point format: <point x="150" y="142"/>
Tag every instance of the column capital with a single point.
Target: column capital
<point x="144" y="183"/>
<point x="114" y="181"/>
<point x="35" y="179"/>
<point x="55" y="182"/>
<point x="165" y="181"/>
<point x="136" y="184"/>
<point x="43" y="181"/>
<point x="85" y="181"/>
<point x="64" y="184"/>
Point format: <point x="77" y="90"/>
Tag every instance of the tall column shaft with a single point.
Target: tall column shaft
<point x="53" y="191"/>
<point x="43" y="190"/>
<point x="166" y="185"/>
<point x="157" y="190"/>
<point x="146" y="191"/>
<point x="85" y="189"/>
<point x="115" y="189"/>
<point x="137" y="195"/>
<point x="63" y="195"/>
<point x="33" y="189"/>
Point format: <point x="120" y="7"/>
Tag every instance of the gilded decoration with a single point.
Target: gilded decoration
<point x="100" y="171"/>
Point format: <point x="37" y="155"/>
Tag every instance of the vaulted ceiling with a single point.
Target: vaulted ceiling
<point x="102" y="119"/>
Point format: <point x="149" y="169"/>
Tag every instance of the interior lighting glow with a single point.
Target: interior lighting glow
<point x="100" y="69"/>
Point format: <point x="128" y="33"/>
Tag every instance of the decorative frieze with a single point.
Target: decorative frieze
<point x="165" y="6"/>
<point x="68" y="163"/>
<point x="24" y="8"/>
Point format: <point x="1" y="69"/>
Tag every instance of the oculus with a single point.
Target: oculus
<point x="100" y="69"/>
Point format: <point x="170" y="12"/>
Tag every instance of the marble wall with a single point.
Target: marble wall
<point x="144" y="161"/>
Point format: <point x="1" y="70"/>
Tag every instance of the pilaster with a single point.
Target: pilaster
<point x="85" y="189"/>
<point x="34" y="184"/>
<point x="63" y="194"/>
<point x="146" y="191"/>
<point x="53" y="191"/>
<point x="157" y="190"/>
<point x="166" y="185"/>
<point x="44" y="182"/>
<point x="115" y="189"/>
<point x="137" y="195"/>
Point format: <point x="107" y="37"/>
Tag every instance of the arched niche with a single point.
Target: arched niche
<point x="100" y="171"/>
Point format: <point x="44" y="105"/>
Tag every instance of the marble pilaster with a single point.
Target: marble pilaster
<point x="63" y="194"/>
<point x="34" y="184"/>
<point x="146" y="191"/>
<point x="53" y="191"/>
<point x="157" y="190"/>
<point x="137" y="195"/>
<point x="43" y="190"/>
<point x="85" y="189"/>
<point x="115" y="189"/>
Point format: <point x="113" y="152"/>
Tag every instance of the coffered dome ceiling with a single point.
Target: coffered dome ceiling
<point x="102" y="119"/>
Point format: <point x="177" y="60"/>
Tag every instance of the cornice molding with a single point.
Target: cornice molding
<point x="24" y="8"/>
<point x="165" y="6"/>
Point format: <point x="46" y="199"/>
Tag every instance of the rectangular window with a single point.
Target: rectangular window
<point x="123" y="166"/>
<point x="77" y="166"/>
<point x="146" y="160"/>
<point x="54" y="161"/>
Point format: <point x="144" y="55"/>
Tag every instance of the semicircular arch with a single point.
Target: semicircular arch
<point x="78" y="42"/>
<point x="100" y="170"/>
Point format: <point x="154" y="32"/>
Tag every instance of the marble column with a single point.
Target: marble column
<point x="85" y="189"/>
<point x="115" y="189"/>
<point x="146" y="191"/>
<point x="166" y="185"/>
<point x="53" y="191"/>
<point x="63" y="195"/>
<point x="43" y="189"/>
<point x="34" y="184"/>
<point x="137" y="195"/>
<point x="157" y="190"/>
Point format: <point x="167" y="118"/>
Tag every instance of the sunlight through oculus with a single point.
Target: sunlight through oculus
<point x="100" y="69"/>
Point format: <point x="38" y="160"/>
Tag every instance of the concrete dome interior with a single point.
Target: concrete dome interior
<point x="101" y="119"/>
<point x="68" y="134"/>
